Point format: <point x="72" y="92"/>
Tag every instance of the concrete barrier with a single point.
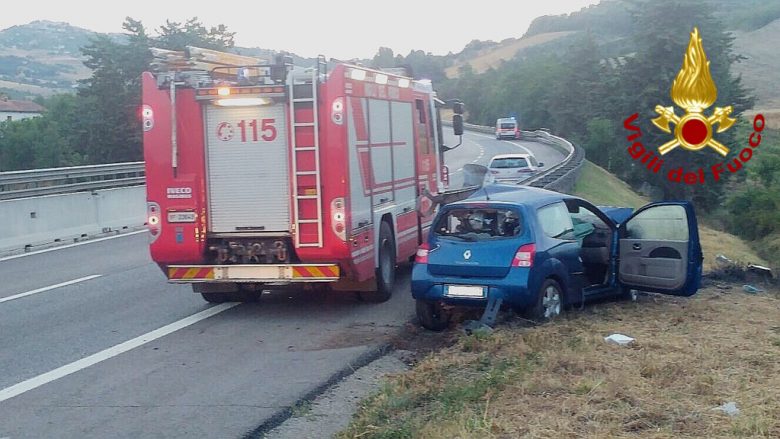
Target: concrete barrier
<point x="37" y="221"/>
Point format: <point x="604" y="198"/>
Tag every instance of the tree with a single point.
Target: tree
<point x="662" y="31"/>
<point x="384" y="58"/>
<point x="110" y="130"/>
<point x="177" y="36"/>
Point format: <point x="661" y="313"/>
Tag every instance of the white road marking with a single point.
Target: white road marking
<point x="51" y="287"/>
<point x="40" y="380"/>
<point x="46" y="250"/>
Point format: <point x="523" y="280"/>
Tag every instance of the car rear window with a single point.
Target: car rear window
<point x="479" y="224"/>
<point x="507" y="126"/>
<point x="509" y="163"/>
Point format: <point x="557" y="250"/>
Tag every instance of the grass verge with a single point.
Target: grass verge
<point x="562" y="380"/>
<point x="602" y="188"/>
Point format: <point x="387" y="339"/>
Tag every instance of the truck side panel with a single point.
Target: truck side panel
<point x="182" y="190"/>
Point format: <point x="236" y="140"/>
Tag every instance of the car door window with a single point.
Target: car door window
<point x="659" y="223"/>
<point x="555" y="221"/>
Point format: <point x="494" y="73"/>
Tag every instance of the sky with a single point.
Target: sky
<point x="336" y="29"/>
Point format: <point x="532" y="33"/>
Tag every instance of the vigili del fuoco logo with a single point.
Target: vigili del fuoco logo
<point x="694" y="91"/>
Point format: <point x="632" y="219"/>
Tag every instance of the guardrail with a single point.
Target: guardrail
<point x="561" y="177"/>
<point x="38" y="182"/>
<point x="52" y="181"/>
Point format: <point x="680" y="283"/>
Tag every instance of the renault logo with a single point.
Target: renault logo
<point x="467" y="255"/>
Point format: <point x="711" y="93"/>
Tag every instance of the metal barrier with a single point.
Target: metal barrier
<point x="37" y="182"/>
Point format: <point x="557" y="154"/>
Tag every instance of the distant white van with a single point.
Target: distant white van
<point x="507" y="127"/>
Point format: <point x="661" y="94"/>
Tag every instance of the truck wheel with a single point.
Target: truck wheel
<point x="432" y="315"/>
<point x="216" y="297"/>
<point x="216" y="292"/>
<point x="549" y="303"/>
<point x="385" y="273"/>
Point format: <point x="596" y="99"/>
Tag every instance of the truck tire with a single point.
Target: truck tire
<point x="216" y="297"/>
<point x="432" y="315"/>
<point x="385" y="272"/>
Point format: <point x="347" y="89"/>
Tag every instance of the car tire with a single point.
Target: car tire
<point x="385" y="272"/>
<point x="548" y="304"/>
<point x="432" y="315"/>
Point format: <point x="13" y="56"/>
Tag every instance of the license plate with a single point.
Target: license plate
<point x="469" y="291"/>
<point x="182" y="217"/>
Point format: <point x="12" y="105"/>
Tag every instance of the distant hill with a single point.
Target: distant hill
<point x="44" y="58"/>
<point x="754" y="23"/>
<point x="494" y="54"/>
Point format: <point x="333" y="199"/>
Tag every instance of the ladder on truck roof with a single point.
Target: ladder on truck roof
<point x="305" y="140"/>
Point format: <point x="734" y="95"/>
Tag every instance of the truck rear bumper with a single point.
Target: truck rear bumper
<point x="261" y="273"/>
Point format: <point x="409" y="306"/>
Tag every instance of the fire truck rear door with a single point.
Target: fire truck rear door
<point x="248" y="181"/>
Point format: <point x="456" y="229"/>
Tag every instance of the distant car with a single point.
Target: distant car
<point x="509" y="168"/>
<point x="507" y="127"/>
<point x="539" y="250"/>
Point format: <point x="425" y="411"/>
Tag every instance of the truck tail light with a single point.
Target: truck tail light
<point x="339" y="218"/>
<point x="422" y="253"/>
<point x="147" y="117"/>
<point x="337" y="111"/>
<point x="524" y="256"/>
<point x="153" y="219"/>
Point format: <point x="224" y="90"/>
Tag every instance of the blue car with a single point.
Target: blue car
<point x="539" y="251"/>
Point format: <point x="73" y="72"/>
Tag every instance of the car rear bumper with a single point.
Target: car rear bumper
<point x="513" y="288"/>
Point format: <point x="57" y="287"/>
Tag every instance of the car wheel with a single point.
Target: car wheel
<point x="549" y="302"/>
<point x="385" y="273"/>
<point x="432" y="315"/>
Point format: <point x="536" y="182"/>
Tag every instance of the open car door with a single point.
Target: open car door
<point x="659" y="249"/>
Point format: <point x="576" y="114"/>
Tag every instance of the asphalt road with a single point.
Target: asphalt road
<point x="94" y="343"/>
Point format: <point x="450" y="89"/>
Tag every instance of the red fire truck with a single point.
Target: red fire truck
<point x="268" y="175"/>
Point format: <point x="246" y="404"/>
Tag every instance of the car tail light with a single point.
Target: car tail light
<point x="422" y="254"/>
<point x="339" y="218"/>
<point x="153" y="219"/>
<point x="524" y="256"/>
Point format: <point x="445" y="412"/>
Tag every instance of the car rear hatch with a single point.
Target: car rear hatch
<point x="510" y="168"/>
<point x="475" y="241"/>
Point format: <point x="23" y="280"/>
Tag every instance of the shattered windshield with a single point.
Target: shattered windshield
<point x="479" y="224"/>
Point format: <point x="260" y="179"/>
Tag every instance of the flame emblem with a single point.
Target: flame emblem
<point x="694" y="91"/>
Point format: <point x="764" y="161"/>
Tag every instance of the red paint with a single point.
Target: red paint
<point x="694" y="131"/>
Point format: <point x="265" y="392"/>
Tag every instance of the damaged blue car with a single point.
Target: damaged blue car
<point x="538" y="251"/>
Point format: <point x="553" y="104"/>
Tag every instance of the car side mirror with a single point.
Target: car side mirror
<point x="457" y="124"/>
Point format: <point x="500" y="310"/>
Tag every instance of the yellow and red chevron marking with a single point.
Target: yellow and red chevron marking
<point x="316" y="271"/>
<point x="189" y="273"/>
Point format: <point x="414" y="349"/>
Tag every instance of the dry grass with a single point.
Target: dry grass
<point x="561" y="380"/>
<point x="600" y="187"/>
<point x="493" y="56"/>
